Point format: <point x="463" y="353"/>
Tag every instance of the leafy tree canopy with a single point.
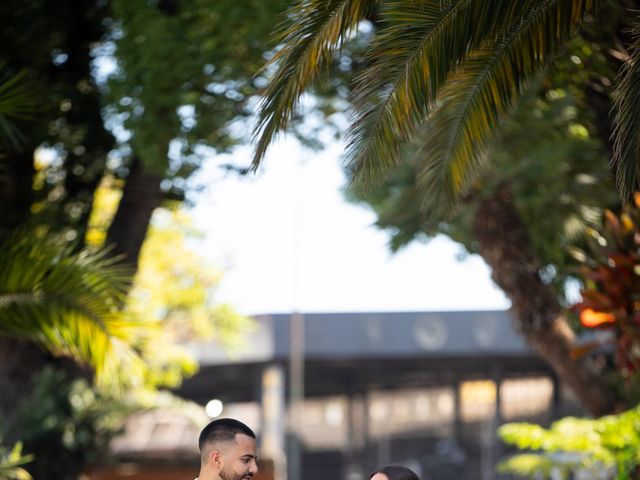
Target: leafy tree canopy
<point x="185" y="76"/>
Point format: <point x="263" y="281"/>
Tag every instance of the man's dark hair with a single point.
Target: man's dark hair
<point x="397" y="472"/>
<point x="223" y="429"/>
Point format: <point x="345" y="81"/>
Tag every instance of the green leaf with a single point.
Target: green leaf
<point x="11" y="463"/>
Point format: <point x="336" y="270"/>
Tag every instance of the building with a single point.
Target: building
<point x="334" y="395"/>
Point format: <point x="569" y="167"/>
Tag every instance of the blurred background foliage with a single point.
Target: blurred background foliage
<point x="610" y="296"/>
<point x="607" y="447"/>
<point x="173" y="293"/>
<point x="69" y="423"/>
<point x="65" y="301"/>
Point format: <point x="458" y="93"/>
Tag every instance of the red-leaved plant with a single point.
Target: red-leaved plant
<point x="611" y="274"/>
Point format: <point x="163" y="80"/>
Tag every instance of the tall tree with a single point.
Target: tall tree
<point x="186" y="72"/>
<point x="183" y="75"/>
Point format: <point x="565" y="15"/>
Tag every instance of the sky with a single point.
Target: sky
<point x="288" y="241"/>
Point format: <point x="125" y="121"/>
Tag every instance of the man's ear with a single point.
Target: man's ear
<point x="215" y="458"/>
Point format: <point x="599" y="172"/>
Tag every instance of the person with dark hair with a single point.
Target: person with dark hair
<point x="227" y="451"/>
<point x="394" y="472"/>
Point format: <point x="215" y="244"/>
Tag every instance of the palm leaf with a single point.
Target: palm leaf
<point x="314" y="33"/>
<point x="11" y="462"/>
<point x="18" y="101"/>
<point x="427" y="56"/>
<point x="68" y="303"/>
<point x="411" y="58"/>
<point x="482" y="90"/>
<point x="626" y="122"/>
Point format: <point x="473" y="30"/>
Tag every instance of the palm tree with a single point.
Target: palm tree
<point x="66" y="303"/>
<point x="438" y="76"/>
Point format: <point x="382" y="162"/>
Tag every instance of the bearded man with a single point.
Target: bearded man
<point x="227" y="451"/>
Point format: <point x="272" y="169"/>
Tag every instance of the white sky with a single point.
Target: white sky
<point x="289" y="241"/>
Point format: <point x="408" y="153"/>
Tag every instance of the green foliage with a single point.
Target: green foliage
<point x="68" y="423"/>
<point x="572" y="444"/>
<point x="186" y="75"/>
<point x="529" y="466"/>
<point x="546" y="153"/>
<point x="71" y="304"/>
<point x="66" y="302"/>
<point x="174" y="295"/>
<point x="439" y="73"/>
<point x="184" y="81"/>
<point x="172" y="299"/>
<point x="182" y="75"/>
<point x="313" y="34"/>
<point x="53" y="46"/>
<point x="11" y="463"/>
<point x="17" y="101"/>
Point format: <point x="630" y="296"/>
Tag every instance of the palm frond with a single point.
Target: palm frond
<point x="626" y="122"/>
<point x="410" y="59"/>
<point x="314" y="33"/>
<point x="68" y="303"/>
<point x="18" y="100"/>
<point x="12" y="461"/>
<point x="482" y="90"/>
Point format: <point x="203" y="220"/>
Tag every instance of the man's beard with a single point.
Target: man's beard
<point x="231" y="476"/>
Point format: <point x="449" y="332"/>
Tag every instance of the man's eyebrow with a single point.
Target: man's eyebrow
<point x="250" y="455"/>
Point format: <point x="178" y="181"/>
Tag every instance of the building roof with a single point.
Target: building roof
<point x="355" y="352"/>
<point x="377" y="335"/>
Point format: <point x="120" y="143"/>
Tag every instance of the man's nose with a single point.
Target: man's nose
<point x="253" y="468"/>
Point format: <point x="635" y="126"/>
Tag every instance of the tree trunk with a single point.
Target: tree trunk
<point x="504" y="244"/>
<point x="19" y="361"/>
<point x="140" y="197"/>
<point x="85" y="165"/>
<point x="16" y="194"/>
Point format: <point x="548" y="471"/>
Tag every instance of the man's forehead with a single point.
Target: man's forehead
<point x="240" y="445"/>
<point x="245" y="442"/>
